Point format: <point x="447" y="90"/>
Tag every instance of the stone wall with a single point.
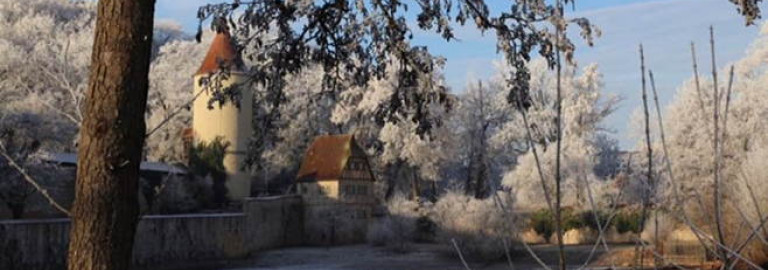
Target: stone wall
<point x="180" y="238"/>
<point x="34" y="244"/>
<point x="165" y="240"/>
<point x="277" y="219"/>
<point x="336" y="224"/>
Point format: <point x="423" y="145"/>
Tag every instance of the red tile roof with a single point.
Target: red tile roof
<point x="326" y="158"/>
<point x="220" y="54"/>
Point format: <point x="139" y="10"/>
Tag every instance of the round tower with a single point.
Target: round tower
<point x="229" y="122"/>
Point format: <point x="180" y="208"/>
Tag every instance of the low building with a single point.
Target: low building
<point x="153" y="174"/>
<point x="147" y="169"/>
<point x="336" y="184"/>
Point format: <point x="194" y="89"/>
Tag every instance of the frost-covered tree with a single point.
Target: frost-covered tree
<point x="609" y="160"/>
<point x="308" y="110"/>
<point x="481" y="111"/>
<point x="45" y="65"/>
<point x="306" y="114"/>
<point x="584" y="107"/>
<point x="170" y="96"/>
<point x="689" y="128"/>
<point x="408" y="141"/>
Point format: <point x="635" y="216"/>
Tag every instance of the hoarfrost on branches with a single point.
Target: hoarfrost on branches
<point x="584" y="107"/>
<point x="170" y="96"/>
<point x="45" y="66"/>
<point x="689" y="132"/>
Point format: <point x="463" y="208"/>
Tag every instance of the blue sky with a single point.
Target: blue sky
<point x="184" y="11"/>
<point x="665" y="27"/>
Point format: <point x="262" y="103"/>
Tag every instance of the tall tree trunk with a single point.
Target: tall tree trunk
<point x="468" y="186"/>
<point x="105" y="212"/>
<point x="390" y="189"/>
<point x="393" y="173"/>
<point x="558" y="153"/>
<point x="481" y="185"/>
<point x="415" y="186"/>
<point x="434" y="196"/>
<point x="482" y="175"/>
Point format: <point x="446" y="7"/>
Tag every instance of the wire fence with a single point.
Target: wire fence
<point x="684" y="252"/>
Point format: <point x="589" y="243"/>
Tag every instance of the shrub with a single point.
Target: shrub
<point x="207" y="160"/>
<point x="571" y="220"/>
<point x="542" y="222"/>
<point x="478" y="226"/>
<point x="589" y="221"/>
<point x="628" y="221"/>
<point x="426" y="230"/>
<point x="182" y="194"/>
<point x="396" y="230"/>
<point x="393" y="232"/>
<point x="660" y="223"/>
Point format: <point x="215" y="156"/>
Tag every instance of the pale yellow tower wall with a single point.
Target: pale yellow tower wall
<point x="234" y="125"/>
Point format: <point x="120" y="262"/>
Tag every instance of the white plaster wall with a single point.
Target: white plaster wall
<point x="233" y="124"/>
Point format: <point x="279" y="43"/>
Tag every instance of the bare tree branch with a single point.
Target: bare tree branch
<point x="675" y="186"/>
<point x="696" y="78"/>
<point x="456" y="246"/>
<point x="558" y="173"/>
<point x="31" y="181"/>
<point x="174" y="113"/>
<point x="718" y="152"/>
<point x="649" y="174"/>
<point x="507" y="212"/>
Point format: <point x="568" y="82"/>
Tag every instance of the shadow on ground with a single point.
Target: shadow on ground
<point x="422" y="257"/>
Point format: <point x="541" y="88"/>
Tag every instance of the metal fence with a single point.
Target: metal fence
<point x="684" y="252"/>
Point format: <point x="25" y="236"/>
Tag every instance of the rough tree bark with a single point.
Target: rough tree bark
<point x="105" y="212"/>
<point x="415" y="186"/>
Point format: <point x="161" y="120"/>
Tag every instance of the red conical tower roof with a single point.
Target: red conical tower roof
<point x="220" y="54"/>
